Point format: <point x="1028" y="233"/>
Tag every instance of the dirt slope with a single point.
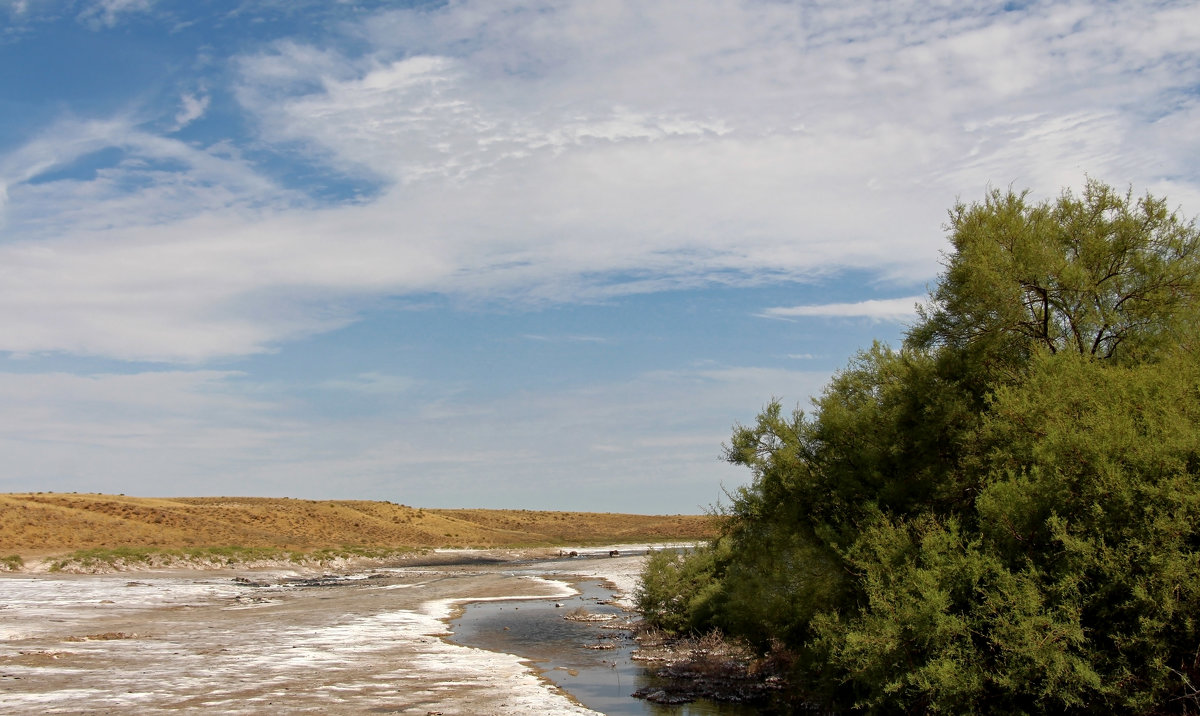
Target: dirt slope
<point x="41" y="523"/>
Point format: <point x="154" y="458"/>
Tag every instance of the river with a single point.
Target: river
<point x="368" y="640"/>
<point x="580" y="644"/>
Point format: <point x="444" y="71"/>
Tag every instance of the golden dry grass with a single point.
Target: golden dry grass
<point x="48" y="523"/>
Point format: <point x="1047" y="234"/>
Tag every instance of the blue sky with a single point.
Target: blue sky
<point x="510" y="254"/>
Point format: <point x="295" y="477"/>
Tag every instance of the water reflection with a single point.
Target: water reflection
<point x="588" y="659"/>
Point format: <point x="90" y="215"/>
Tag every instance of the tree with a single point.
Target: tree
<point x="1099" y="275"/>
<point x="1003" y="516"/>
<point x="1073" y="582"/>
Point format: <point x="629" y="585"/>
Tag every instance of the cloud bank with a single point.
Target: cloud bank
<point x="209" y="432"/>
<point x="276" y="265"/>
<point x="563" y="151"/>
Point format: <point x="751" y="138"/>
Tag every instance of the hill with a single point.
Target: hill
<point x="48" y="523"/>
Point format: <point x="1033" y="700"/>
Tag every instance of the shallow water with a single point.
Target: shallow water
<point x="565" y="651"/>
<point x="369" y="641"/>
<point x="158" y="643"/>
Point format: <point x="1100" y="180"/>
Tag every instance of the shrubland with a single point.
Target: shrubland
<point x="1002" y="515"/>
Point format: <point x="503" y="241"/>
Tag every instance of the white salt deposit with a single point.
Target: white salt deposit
<point x="69" y="644"/>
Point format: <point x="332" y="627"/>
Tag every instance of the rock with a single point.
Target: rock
<point x="657" y="695"/>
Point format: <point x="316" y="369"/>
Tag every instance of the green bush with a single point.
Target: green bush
<point x="228" y="555"/>
<point x="1002" y="516"/>
<point x="677" y="588"/>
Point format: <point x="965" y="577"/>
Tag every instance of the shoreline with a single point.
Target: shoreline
<point x="133" y="638"/>
<point x="168" y="562"/>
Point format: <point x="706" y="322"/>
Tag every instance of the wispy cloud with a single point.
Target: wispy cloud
<point x="564" y="151"/>
<point x="372" y="383"/>
<point x="107" y="13"/>
<point x="889" y="309"/>
<point x="192" y="107"/>
<point x="207" y="432"/>
<point x="124" y="416"/>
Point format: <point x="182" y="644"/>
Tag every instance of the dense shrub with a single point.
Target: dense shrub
<point x="1003" y="515"/>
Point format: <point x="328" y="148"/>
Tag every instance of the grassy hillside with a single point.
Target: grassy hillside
<point x="42" y="523"/>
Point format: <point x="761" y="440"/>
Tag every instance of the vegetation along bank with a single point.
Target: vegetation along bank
<point x="1002" y="515"/>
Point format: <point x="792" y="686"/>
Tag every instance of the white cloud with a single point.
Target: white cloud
<point x="138" y="433"/>
<point x="649" y="443"/>
<point x="888" y="309"/>
<point x="656" y="437"/>
<point x="107" y="13"/>
<point x="567" y="151"/>
<point x="192" y="108"/>
<point x="157" y="180"/>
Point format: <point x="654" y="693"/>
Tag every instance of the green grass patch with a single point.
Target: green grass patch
<point x="102" y="558"/>
<point x="11" y="563"/>
<point x="118" y="558"/>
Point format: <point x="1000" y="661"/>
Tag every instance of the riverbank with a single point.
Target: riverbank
<point x="713" y="667"/>
<point x="280" y="640"/>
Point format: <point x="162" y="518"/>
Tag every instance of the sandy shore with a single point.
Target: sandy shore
<point x="265" y="641"/>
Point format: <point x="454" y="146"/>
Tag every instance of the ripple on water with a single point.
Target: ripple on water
<point x="587" y="658"/>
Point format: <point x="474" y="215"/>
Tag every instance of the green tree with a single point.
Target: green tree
<point x="1003" y="516"/>
<point x="1098" y="274"/>
<point x="676" y="589"/>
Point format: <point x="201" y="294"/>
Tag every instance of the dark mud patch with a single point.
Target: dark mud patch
<point x="711" y="668"/>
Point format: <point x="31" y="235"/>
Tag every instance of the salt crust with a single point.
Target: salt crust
<point x="34" y="608"/>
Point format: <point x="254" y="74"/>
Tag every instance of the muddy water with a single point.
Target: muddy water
<point x="586" y="655"/>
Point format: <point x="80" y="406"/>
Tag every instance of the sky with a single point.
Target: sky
<point x="540" y="254"/>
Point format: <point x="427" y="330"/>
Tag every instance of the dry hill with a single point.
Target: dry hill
<point x="46" y="523"/>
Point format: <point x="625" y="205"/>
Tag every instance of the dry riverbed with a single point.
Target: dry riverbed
<point x="366" y="640"/>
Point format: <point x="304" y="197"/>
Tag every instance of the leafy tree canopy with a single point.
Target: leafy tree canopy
<point x="1003" y="515"/>
<point x="1097" y="274"/>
